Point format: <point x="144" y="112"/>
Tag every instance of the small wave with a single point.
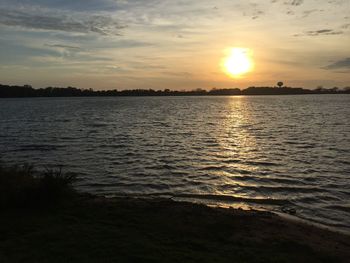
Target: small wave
<point x="160" y="167"/>
<point x="260" y="163"/>
<point x="212" y="168"/>
<point x="306" y="146"/>
<point x="344" y="208"/>
<point x="230" y="161"/>
<point x="231" y="198"/>
<point x="114" y="146"/>
<point x="39" y="147"/>
<point x="344" y="162"/>
<point x="222" y="198"/>
<point x="265" y="179"/>
<point x="97" y="125"/>
<point x="316" y="199"/>
<point x="286" y="189"/>
<point x="60" y="120"/>
<point x="292" y="142"/>
<point x="147" y="187"/>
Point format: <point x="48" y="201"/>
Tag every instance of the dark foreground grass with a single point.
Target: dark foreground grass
<point x="22" y="186"/>
<point x="85" y="228"/>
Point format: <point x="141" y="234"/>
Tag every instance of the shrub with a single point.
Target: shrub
<point x="23" y="186"/>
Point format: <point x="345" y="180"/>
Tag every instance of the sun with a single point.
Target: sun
<point x="238" y="62"/>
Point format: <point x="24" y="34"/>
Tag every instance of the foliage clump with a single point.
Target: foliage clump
<point x="22" y="186"/>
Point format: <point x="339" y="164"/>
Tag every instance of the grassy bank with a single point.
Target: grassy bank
<point x="71" y="227"/>
<point x="22" y="186"/>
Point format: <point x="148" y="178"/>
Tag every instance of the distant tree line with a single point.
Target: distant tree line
<point x="7" y="91"/>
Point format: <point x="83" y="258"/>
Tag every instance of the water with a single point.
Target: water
<point x="274" y="152"/>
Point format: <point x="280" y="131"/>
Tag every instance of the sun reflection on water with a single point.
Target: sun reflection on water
<point x="238" y="144"/>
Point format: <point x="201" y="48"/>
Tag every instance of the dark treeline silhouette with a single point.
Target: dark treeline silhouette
<point x="7" y="91"/>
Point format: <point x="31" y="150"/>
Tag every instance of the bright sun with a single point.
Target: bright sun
<point x="238" y="62"/>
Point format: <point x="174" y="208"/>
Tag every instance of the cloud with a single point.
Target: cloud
<point x="309" y="12"/>
<point x="340" y="64"/>
<point x="63" y="46"/>
<point x="290" y="2"/>
<point x="59" y="21"/>
<point x="294" y="2"/>
<point x="76" y="5"/>
<point x="252" y="10"/>
<point x="15" y="52"/>
<point x="177" y="74"/>
<point x="321" y="32"/>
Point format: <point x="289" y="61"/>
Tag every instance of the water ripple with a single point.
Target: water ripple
<point x="274" y="151"/>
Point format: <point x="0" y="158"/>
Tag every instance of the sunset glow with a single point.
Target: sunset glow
<point x="142" y="130"/>
<point x="124" y="44"/>
<point x="238" y="62"/>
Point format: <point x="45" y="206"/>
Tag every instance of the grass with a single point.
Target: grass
<point x="86" y="228"/>
<point x="22" y="186"/>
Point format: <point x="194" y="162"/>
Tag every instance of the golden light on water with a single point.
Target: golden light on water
<point x="238" y="62"/>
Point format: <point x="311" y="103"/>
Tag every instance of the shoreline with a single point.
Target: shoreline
<point x="234" y="204"/>
<point x="311" y="223"/>
<point x="176" y="96"/>
<point x="91" y="228"/>
<point x="29" y="91"/>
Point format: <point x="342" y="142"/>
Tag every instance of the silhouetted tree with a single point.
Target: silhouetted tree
<point x="280" y="84"/>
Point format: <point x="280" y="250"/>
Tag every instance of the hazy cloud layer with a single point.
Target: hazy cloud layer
<point x="104" y="25"/>
<point x="289" y="2"/>
<point x="172" y="40"/>
<point x="294" y="2"/>
<point x="321" y="32"/>
<point x="63" y="46"/>
<point x="341" y="64"/>
<point x="76" y="5"/>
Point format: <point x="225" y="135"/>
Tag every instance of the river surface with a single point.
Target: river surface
<point x="274" y="152"/>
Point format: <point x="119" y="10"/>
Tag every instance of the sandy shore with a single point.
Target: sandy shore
<point x="94" y="229"/>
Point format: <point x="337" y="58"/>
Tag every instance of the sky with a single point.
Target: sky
<point x="173" y="44"/>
